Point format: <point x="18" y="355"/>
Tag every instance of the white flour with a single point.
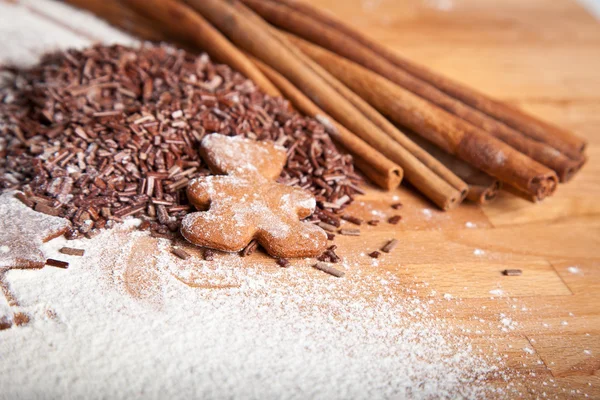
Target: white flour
<point x="283" y="333"/>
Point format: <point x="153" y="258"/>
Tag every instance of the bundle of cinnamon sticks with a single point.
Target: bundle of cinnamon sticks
<point x="396" y="117"/>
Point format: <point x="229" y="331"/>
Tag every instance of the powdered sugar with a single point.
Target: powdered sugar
<point x="24" y="35"/>
<point x="125" y="321"/>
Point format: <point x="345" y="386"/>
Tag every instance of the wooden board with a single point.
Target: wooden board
<point x="544" y="56"/>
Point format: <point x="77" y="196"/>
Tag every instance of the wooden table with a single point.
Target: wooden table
<point x="544" y="56"/>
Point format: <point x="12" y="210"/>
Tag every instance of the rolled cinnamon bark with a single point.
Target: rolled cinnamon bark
<point x="482" y="187"/>
<point x="253" y="36"/>
<point x="380" y="170"/>
<point x="383" y="123"/>
<point x="347" y="46"/>
<point x="447" y="131"/>
<point x="558" y="138"/>
<point x="181" y="21"/>
<point x="121" y="16"/>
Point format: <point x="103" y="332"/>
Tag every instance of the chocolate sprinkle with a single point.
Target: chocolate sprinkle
<point x="57" y="263"/>
<point x="352" y="219"/>
<point x="512" y="272"/>
<point x="374" y="254"/>
<point x="251" y="248"/>
<point x="395" y="219"/>
<point x="184" y="255"/>
<point x="329" y="269"/>
<point x="72" y="252"/>
<point x="119" y="137"/>
<point x="209" y="255"/>
<point x="283" y="262"/>
<point x="389" y="246"/>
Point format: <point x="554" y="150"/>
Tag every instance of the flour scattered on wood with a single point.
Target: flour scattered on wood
<point x="163" y="333"/>
<point x="574" y="270"/>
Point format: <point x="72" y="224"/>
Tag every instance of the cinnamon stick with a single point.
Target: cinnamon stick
<point x="380" y="170"/>
<point x="184" y="23"/>
<point x="482" y="187"/>
<point x="346" y="46"/>
<point x="252" y="35"/>
<point x="382" y="123"/>
<point x="447" y="131"/>
<point x="564" y="141"/>
<point x="121" y="16"/>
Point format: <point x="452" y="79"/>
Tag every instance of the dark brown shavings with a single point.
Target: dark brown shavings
<point x="349" y="232"/>
<point x="374" y="254"/>
<point x="512" y="272"/>
<point x="57" y="263"/>
<point x="395" y="219"/>
<point x="119" y="137"/>
<point x="327" y="227"/>
<point x="397" y="206"/>
<point x="329" y="269"/>
<point x="329" y="255"/>
<point x="70" y="251"/>
<point x="209" y="255"/>
<point x="184" y="255"/>
<point x="283" y="262"/>
<point x="352" y="219"/>
<point x="250" y="249"/>
<point x="389" y="246"/>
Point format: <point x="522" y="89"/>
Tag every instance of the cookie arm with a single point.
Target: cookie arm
<point x="304" y="202"/>
<point x="198" y="193"/>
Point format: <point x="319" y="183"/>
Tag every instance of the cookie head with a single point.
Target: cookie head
<point x="235" y="155"/>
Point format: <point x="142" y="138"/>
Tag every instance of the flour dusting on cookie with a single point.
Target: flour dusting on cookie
<point x="247" y="204"/>
<point x="22" y="232"/>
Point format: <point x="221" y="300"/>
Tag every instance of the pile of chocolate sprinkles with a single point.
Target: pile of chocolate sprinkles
<point x="109" y="132"/>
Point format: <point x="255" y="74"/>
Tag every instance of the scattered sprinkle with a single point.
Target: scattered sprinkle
<point x="72" y="252"/>
<point x="184" y="255"/>
<point x="352" y="219"/>
<point x="374" y="254"/>
<point x="389" y="246"/>
<point x="395" y="219"/>
<point x="209" y="255"/>
<point x="57" y="263"/>
<point x="329" y="269"/>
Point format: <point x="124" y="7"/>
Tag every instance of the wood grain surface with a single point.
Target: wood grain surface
<point x="544" y="56"/>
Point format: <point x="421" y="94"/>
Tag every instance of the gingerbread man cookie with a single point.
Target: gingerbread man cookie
<point x="22" y="233"/>
<point x="248" y="204"/>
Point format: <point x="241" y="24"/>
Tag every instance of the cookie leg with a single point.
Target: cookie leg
<point x="303" y="240"/>
<point x="217" y="232"/>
